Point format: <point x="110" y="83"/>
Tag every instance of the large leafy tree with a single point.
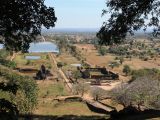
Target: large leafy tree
<point x="18" y="94"/>
<point x="127" y="16"/>
<point x="21" y="21"/>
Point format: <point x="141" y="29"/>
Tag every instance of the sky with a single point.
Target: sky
<point x="78" y="13"/>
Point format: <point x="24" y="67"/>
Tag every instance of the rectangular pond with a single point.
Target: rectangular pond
<point x="32" y="57"/>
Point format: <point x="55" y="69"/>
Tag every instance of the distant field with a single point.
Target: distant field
<point x="92" y="56"/>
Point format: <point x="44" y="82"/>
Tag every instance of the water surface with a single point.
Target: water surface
<point x="32" y="57"/>
<point x="43" y="47"/>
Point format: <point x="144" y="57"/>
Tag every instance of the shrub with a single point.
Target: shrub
<point x="143" y="91"/>
<point x="77" y="74"/>
<point x="28" y="62"/>
<point x="127" y="69"/>
<point x="23" y="89"/>
<point x="3" y="54"/>
<point x="121" y="60"/>
<point x="7" y="63"/>
<point x="144" y="72"/>
<point x="80" y="88"/>
<point x="98" y="94"/>
<point x="60" y="64"/>
<point x="102" y="51"/>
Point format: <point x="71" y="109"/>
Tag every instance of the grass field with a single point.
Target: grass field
<point x="24" y="63"/>
<point x="68" y="60"/>
<point x="48" y="90"/>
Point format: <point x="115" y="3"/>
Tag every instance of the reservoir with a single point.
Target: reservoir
<point x="41" y="47"/>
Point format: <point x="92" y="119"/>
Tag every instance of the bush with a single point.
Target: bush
<point x="127" y="69"/>
<point x="7" y="63"/>
<point x="102" y="51"/>
<point x="60" y="64"/>
<point x="144" y="72"/>
<point x="142" y="92"/>
<point x="121" y="60"/>
<point x="77" y="74"/>
<point x="80" y="88"/>
<point x="28" y="62"/>
<point x="3" y="54"/>
<point x="98" y="94"/>
<point x="23" y="90"/>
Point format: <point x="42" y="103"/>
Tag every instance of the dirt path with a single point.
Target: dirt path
<point x="61" y="72"/>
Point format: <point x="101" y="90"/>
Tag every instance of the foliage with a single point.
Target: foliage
<point x="8" y="63"/>
<point x="98" y="93"/>
<point x="60" y="64"/>
<point x="3" y="54"/>
<point x="28" y="62"/>
<point x="124" y="19"/>
<point x="118" y="50"/>
<point x="144" y="72"/>
<point x="23" y="89"/>
<point x="102" y="51"/>
<point x="126" y="69"/>
<point x="142" y="92"/>
<point x="80" y="88"/>
<point x="121" y="60"/>
<point x="77" y="74"/>
<point x="21" y="21"/>
<point x="62" y="44"/>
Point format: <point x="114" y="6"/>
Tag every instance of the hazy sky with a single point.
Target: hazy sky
<point x="78" y="13"/>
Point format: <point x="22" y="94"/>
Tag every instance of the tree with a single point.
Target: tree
<point x="98" y="93"/>
<point x="144" y="91"/>
<point x="102" y="51"/>
<point x="80" y="88"/>
<point x="18" y="94"/>
<point x="127" y="16"/>
<point x="60" y="64"/>
<point x="77" y="74"/>
<point x="22" y="20"/>
<point x="121" y="60"/>
<point x="126" y="69"/>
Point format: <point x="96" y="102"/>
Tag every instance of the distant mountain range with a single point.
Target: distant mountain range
<point x="71" y="30"/>
<point x="84" y="30"/>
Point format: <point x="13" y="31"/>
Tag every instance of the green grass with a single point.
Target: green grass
<point x="65" y="108"/>
<point x="52" y="90"/>
<point x="48" y="90"/>
<point x="22" y="62"/>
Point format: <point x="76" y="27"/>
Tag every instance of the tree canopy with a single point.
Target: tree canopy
<point x="127" y="16"/>
<point x="22" y="20"/>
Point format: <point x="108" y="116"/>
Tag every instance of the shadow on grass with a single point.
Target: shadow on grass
<point x="129" y="113"/>
<point x="65" y="117"/>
